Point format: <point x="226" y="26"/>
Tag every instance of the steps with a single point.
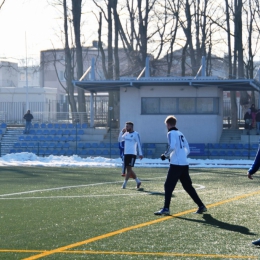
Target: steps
<point x="10" y="137"/>
<point x="231" y="136"/>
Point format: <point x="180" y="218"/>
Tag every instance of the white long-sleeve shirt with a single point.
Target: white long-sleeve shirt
<point x="132" y="142"/>
<point x="178" y="147"/>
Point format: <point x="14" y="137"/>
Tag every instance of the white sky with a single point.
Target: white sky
<point x="36" y="23"/>
<point x="30" y="159"/>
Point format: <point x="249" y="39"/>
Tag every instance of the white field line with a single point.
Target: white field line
<point x="199" y="187"/>
<point x="2" y="196"/>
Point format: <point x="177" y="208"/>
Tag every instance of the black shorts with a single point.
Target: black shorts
<point x="129" y="160"/>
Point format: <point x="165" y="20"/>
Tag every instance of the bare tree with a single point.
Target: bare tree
<point x="76" y="13"/>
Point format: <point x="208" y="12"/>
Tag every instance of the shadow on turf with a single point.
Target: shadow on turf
<point x="209" y="220"/>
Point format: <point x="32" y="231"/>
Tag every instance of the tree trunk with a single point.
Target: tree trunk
<point x="76" y="12"/>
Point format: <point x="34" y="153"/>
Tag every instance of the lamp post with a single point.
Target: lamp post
<point x="110" y="119"/>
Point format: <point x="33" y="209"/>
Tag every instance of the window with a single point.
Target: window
<point x="179" y="105"/>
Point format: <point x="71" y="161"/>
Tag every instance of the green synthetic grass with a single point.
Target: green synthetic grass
<point x="83" y="213"/>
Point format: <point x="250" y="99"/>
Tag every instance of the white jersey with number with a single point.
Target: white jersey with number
<point x="178" y="147"/>
<point x="132" y="142"/>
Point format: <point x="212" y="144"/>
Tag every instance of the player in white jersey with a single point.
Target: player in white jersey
<point x="177" y="152"/>
<point x="132" y="144"/>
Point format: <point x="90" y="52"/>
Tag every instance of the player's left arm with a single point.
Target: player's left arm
<point x="139" y="145"/>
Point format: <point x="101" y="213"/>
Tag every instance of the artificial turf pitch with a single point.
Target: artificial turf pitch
<point x="82" y="213"/>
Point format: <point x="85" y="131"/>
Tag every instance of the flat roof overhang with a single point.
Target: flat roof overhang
<point x="95" y="86"/>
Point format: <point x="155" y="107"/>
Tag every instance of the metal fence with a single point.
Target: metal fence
<point x="54" y="112"/>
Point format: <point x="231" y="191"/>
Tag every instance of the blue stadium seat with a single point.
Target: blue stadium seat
<point x="244" y="153"/>
<point x="24" y="145"/>
<point x="21" y="138"/>
<point x="70" y="126"/>
<point x="87" y="145"/>
<point x="255" y="146"/>
<point x="36" y="125"/>
<point x="39" y="131"/>
<point x="54" y="152"/>
<point x="52" y="132"/>
<point x="43" y="125"/>
<point x="48" y="152"/>
<point x="66" y="132"/>
<point x="73" y="132"/>
<point x="63" y="138"/>
<point x="222" y="153"/>
<point x="231" y="146"/>
<point x="215" y="146"/>
<point x="151" y="145"/>
<point x="105" y="152"/>
<point x="114" y="152"/>
<point x="35" y="138"/>
<point x="49" y="138"/>
<point x="59" y="132"/>
<point x="71" y="138"/>
<point x="239" y="146"/>
<point x="252" y="154"/>
<point x="83" y="152"/>
<point x="56" y="138"/>
<point x="31" y="145"/>
<point x="59" y="145"/>
<point x="98" y="152"/>
<point x="32" y="132"/>
<point x="52" y="145"/>
<point x="246" y="146"/>
<point x="66" y="145"/>
<point x="46" y="132"/>
<point x="17" y="145"/>
<point x="84" y="126"/>
<point x="50" y="126"/>
<point x="101" y="145"/>
<point x="44" y="145"/>
<point x="56" y="126"/>
<point x="28" y="138"/>
<point x="12" y="151"/>
<point x="81" y="132"/>
<point x="78" y="138"/>
<point x="3" y="125"/>
<point x="63" y="126"/>
<point x="237" y="153"/>
<point x="94" y="145"/>
<point x="114" y="145"/>
<point x="42" y="138"/>
<point x="91" y="152"/>
<point x="107" y="145"/>
<point x="41" y="152"/>
<point x="223" y="146"/>
<point x="81" y="145"/>
<point x="229" y="153"/>
<point x="213" y="153"/>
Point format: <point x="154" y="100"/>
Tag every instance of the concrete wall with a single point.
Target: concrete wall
<point x="197" y="128"/>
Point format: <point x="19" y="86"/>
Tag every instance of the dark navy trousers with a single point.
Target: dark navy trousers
<point x="175" y="173"/>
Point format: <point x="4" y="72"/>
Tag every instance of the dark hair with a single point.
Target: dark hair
<point x="171" y="120"/>
<point x="129" y="123"/>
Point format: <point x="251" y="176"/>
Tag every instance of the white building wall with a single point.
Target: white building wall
<point x="196" y="128"/>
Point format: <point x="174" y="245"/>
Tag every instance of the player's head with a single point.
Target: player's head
<point x="129" y="126"/>
<point x="170" y="121"/>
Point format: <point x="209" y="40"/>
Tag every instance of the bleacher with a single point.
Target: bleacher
<point x="66" y="139"/>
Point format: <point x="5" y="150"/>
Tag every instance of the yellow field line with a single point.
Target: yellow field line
<point x="110" y="234"/>
<point x="90" y="252"/>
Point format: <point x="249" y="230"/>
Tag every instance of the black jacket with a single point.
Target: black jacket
<point x="28" y="117"/>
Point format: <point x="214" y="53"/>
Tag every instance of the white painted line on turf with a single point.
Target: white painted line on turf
<point x="79" y="186"/>
<point x="138" y="193"/>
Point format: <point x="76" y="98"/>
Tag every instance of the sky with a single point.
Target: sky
<point x="29" y="26"/>
<point x="30" y="159"/>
